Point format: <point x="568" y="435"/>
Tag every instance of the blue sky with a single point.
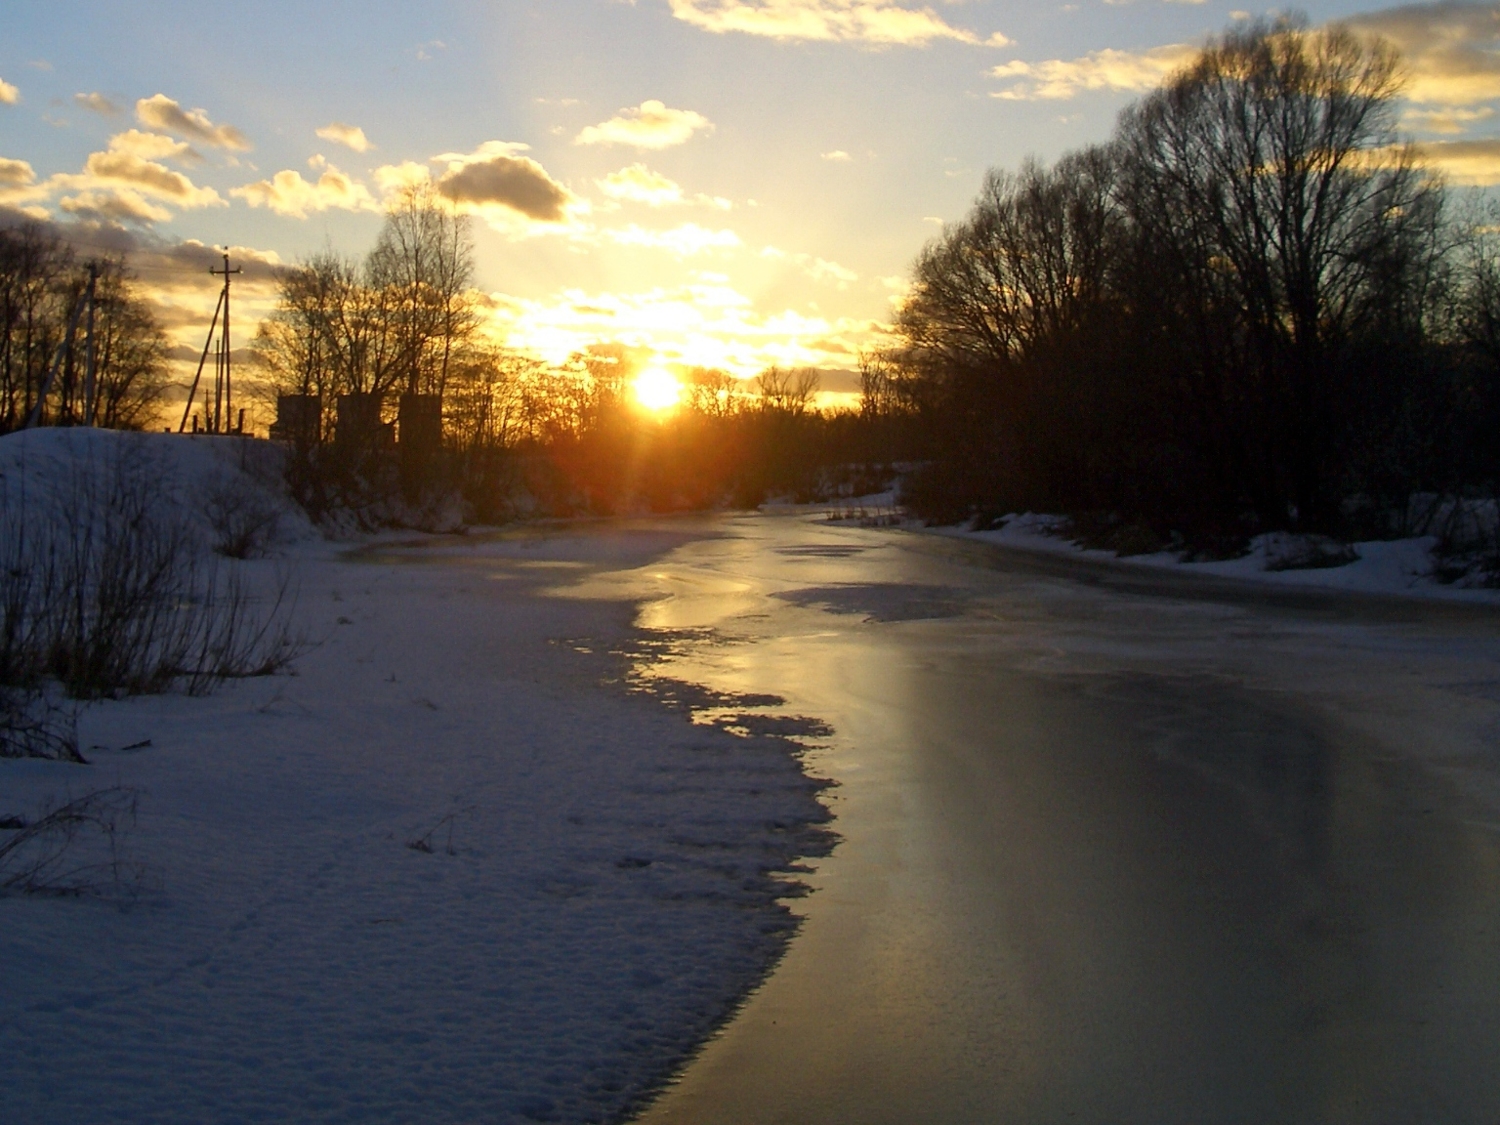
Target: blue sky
<point x="724" y="181"/>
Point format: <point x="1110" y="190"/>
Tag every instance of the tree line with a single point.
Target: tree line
<point x="1253" y="307"/>
<point x="42" y="281"/>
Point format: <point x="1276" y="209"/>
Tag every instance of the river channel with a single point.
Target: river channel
<point x="1115" y="846"/>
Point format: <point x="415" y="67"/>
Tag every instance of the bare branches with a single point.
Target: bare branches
<point x="74" y="848"/>
<point x="1233" y="308"/>
<point x="111" y="595"/>
<point x="40" y="280"/>
<point x="34" y="726"/>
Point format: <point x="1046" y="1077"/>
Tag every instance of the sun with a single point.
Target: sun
<point x="657" y="389"/>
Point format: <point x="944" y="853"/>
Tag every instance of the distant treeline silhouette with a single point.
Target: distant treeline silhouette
<point x="1254" y="307"/>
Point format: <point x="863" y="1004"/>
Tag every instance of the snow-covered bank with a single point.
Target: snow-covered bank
<point x="1401" y="567"/>
<point x="208" y="482"/>
<point x="459" y="867"/>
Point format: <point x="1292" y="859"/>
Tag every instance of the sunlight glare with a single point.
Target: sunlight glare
<point x="657" y="389"/>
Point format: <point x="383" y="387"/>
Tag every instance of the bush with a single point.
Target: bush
<point x="73" y="848"/>
<point x="106" y="590"/>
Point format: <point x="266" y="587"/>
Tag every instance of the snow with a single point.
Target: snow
<point x="50" y="472"/>
<point x="1389" y="567"/>
<point x="599" y="893"/>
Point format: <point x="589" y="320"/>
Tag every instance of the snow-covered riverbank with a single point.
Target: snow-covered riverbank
<point x="459" y="867"/>
<point x="1403" y="567"/>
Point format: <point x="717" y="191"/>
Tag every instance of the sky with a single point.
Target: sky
<point x="727" y="183"/>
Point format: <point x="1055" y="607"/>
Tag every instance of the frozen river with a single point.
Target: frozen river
<point x="1116" y="847"/>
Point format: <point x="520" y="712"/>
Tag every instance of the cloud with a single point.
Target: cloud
<point x="122" y="167"/>
<point x="97" y="103"/>
<point x="1469" y="163"/>
<point x="115" y="205"/>
<point x="1447" y="119"/>
<point x="120" y="185"/>
<point x="649" y="125"/>
<point x="9" y="95"/>
<point x="350" y="136"/>
<point x="287" y="193"/>
<point x="153" y="146"/>
<point x="15" y="174"/>
<point x="703" y="323"/>
<point x="1108" y="69"/>
<point x="639" y="184"/>
<point x="685" y="241"/>
<point x="19" y="191"/>
<point x="819" y="269"/>
<point x="194" y="256"/>
<point x="838" y="156"/>
<point x="874" y="22"/>
<point x="161" y="112"/>
<point x="1452" y="50"/>
<point x="394" y="177"/>
<point x="495" y="176"/>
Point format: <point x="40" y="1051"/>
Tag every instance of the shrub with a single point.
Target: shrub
<point x="106" y="590"/>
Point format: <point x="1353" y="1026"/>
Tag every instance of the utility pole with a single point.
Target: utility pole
<point x="228" y="401"/>
<point x="221" y="360"/>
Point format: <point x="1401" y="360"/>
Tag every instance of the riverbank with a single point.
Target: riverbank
<point x="457" y="865"/>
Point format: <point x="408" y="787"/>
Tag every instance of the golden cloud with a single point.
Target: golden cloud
<point x="120" y="167"/>
<point x="1450" y="49"/>
<point x="395" y="177"/>
<point x="1108" y="69"/>
<point x="9" y="95"/>
<point x="638" y="184"/>
<point x="15" y="174"/>
<point x="153" y="146"/>
<point x="350" y="136"/>
<point x="162" y="113"/>
<point x="685" y="241"/>
<point x="1448" y="119"/>
<point x="19" y="191"/>
<point x="1469" y="163"/>
<point x="706" y="323"/>
<point x="287" y="193"/>
<point x="874" y="22"/>
<point x="819" y="269"/>
<point x="97" y="103"/>
<point x="650" y="125"/>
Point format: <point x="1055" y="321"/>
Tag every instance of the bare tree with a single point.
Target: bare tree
<point x="424" y="258"/>
<point x="788" y="391"/>
<point x="41" y="284"/>
<point x="1269" y="178"/>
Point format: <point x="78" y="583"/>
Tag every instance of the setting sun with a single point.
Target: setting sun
<point x="657" y="389"/>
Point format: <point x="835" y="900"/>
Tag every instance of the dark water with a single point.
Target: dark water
<point x="1147" y="854"/>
